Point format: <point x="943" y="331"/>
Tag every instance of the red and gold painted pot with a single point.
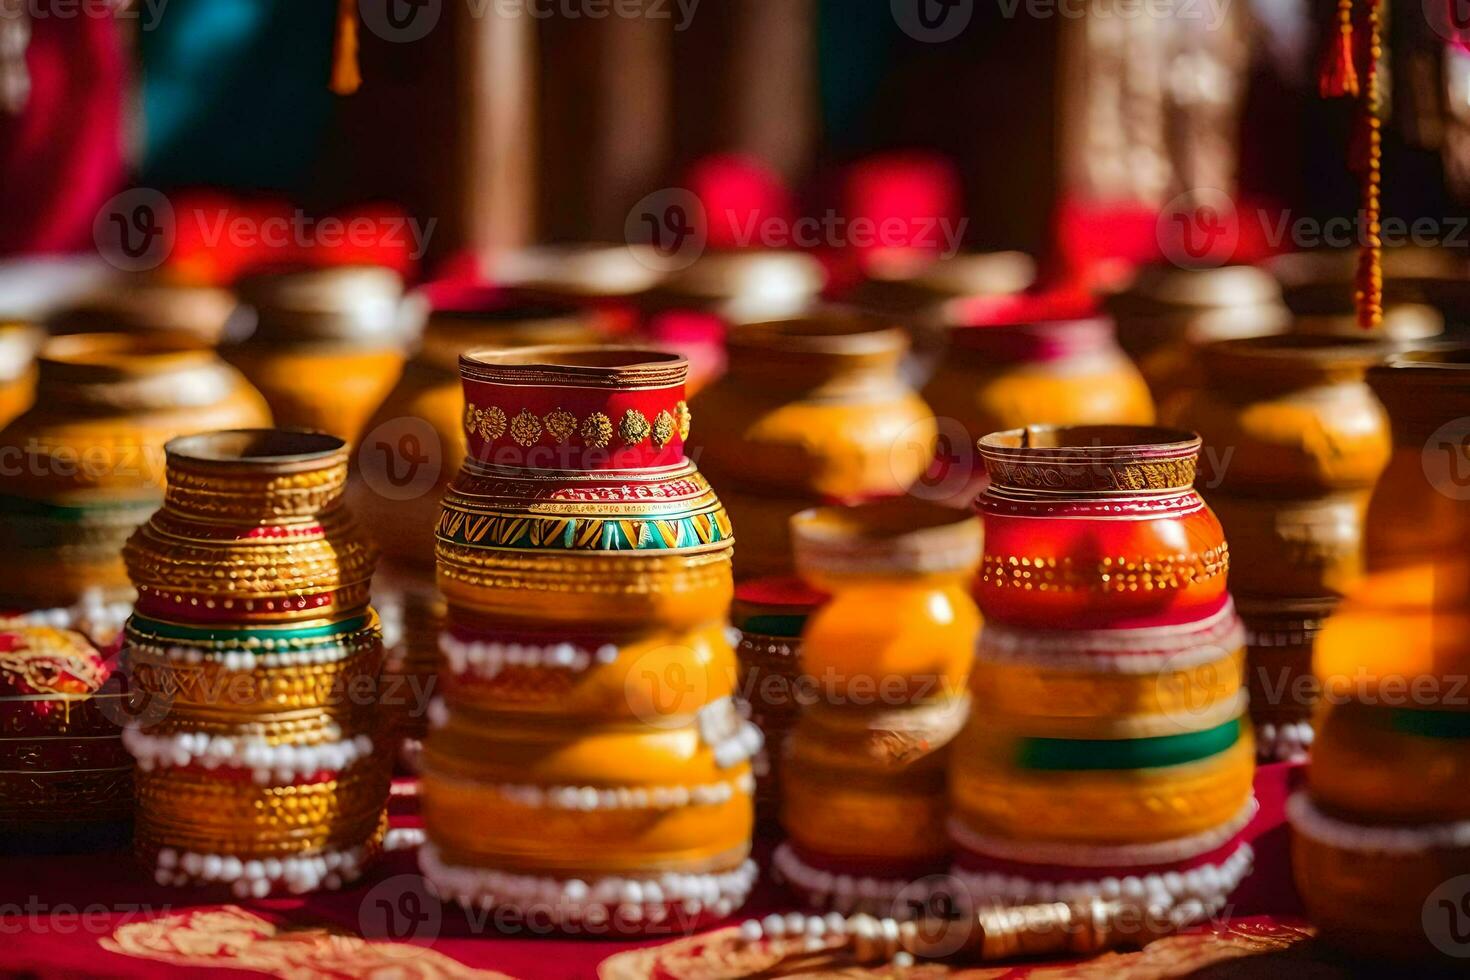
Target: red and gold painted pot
<point x="886" y="658"/>
<point x="1382" y="833"/>
<point x="586" y="758"/>
<point x="87" y="462"/>
<point x="770" y="614"/>
<point x="1108" y="755"/>
<point x="1169" y="313"/>
<point x="1294" y="441"/>
<point x="262" y="765"/>
<point x="413" y="446"/>
<point x="66" y="782"/>
<point x="813" y="410"/>
<point x="328" y="344"/>
<point x="1097" y="527"/>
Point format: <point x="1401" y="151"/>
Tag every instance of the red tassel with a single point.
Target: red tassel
<point x="1339" y="75"/>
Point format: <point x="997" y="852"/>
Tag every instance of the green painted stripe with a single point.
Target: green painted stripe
<point x="1058" y="754"/>
<point x="24" y="506"/>
<point x="174" y="631"/>
<point x="786" y="627"/>
<point x="1430" y="724"/>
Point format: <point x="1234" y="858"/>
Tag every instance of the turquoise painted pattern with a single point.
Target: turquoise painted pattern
<point x="518" y="531"/>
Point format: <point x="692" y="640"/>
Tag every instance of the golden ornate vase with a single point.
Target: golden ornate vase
<point x="86" y="464"/>
<point x="863" y="799"/>
<point x="1294" y="441"/>
<point x="587" y="762"/>
<point x="1382" y="832"/>
<point x="412" y="447"/>
<point x="66" y="782"/>
<point x="263" y="765"/>
<point x="328" y="344"/>
<point x="1108" y="755"/>
<point x="1168" y="313"/>
<point x="812" y="411"/>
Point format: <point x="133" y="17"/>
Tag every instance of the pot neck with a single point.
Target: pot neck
<point x="1090" y="461"/>
<point x="255" y="478"/>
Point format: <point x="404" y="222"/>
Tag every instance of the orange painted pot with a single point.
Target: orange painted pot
<point x="586" y="757"/>
<point x="328" y="344"/>
<point x="88" y="457"/>
<point x="1168" y="313"/>
<point x="1097" y="527"/>
<point x="812" y="410"/>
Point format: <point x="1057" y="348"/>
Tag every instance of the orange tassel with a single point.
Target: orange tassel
<point x="346" y="76"/>
<point x="1339" y="73"/>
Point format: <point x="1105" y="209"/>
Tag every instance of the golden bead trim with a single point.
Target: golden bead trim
<point x="1051" y="574"/>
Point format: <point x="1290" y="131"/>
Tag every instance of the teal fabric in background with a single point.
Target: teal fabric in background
<point x="234" y="93"/>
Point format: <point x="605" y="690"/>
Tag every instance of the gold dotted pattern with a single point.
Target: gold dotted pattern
<point x="1162" y="572"/>
<point x="597" y="431"/>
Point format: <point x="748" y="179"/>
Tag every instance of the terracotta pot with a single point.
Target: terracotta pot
<point x="1307" y="548"/>
<point x="587" y="756"/>
<point x="863" y="785"/>
<point x="66" y="783"/>
<point x="18" y="345"/>
<point x="1055" y="551"/>
<point x="87" y="458"/>
<point x="1383" y="823"/>
<point x="269" y="744"/>
<point x="328" y="344"/>
<point x="1288" y="417"/>
<point x="770" y="614"/>
<point x="812" y="410"/>
<point x="1109" y="729"/>
<point x="144" y="304"/>
<point x="1169" y="313"/>
<point x="1057" y="372"/>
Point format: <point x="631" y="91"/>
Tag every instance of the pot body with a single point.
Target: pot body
<point x="90" y="455"/>
<point x="812" y="410"/>
<point x="587" y="738"/>
<point x="252" y="629"/>
<point x="1382" y="823"/>
<point x="1109" y="728"/>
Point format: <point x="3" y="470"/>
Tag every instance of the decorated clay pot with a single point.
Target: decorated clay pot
<point x="770" y="614"/>
<point x="998" y="376"/>
<point x="413" y="445"/>
<point x="18" y="345"/>
<point x="812" y="410"/>
<point x="1056" y="551"/>
<point x="264" y="767"/>
<point x="87" y="457"/>
<point x="1381" y="831"/>
<point x="328" y="344"/>
<point x="1108" y="754"/>
<point x="1170" y="312"/>
<point x="863" y="777"/>
<point x="66" y="783"/>
<point x="587" y="758"/>
<point x="147" y="304"/>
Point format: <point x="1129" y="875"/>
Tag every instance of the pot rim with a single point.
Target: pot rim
<point x="576" y="365"/>
<point x="825" y="331"/>
<point x="896" y="535"/>
<point x="1302" y="351"/>
<point x="109" y="354"/>
<point x="256" y="449"/>
<point x="1103" y="442"/>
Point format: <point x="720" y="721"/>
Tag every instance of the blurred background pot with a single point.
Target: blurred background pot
<point x="18" y="345"/>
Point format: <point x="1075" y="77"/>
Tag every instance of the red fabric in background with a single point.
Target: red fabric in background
<point x="62" y="157"/>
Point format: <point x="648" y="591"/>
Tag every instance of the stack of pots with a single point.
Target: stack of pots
<point x="586" y="762"/>
<point x="863" y="798"/>
<point x="261" y="761"/>
<point x="1294" y="442"/>
<point x="1382" y="831"/>
<point x="413" y="446"/>
<point x="327" y="347"/>
<point x="1108" y="755"/>
<point x="813" y="411"/>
